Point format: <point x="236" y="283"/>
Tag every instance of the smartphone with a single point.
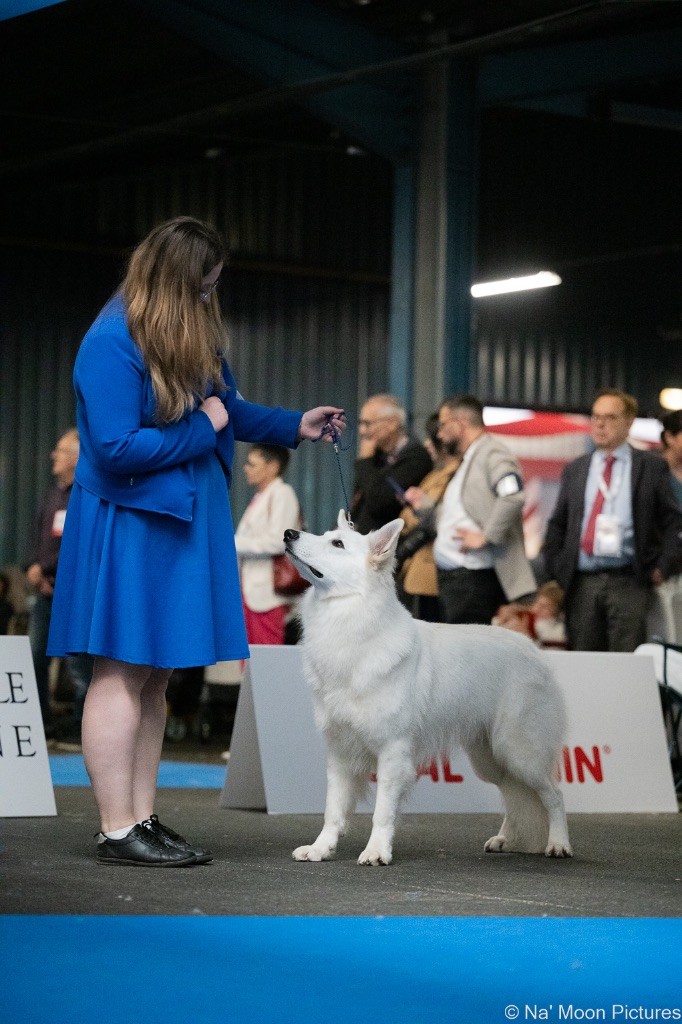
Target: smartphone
<point x="398" y="490"/>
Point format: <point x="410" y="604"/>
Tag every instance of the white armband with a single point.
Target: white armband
<point x="511" y="483"/>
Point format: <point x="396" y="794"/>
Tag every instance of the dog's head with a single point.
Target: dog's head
<point x="342" y="561"/>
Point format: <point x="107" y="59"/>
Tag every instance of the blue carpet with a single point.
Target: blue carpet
<point x="76" y="970"/>
<point x="69" y="770"/>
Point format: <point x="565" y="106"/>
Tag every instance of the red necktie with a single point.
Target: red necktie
<point x="587" y="542"/>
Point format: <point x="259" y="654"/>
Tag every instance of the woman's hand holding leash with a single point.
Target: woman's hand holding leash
<point x="325" y="423"/>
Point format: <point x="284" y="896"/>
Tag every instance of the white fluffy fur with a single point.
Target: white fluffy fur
<point x="391" y="693"/>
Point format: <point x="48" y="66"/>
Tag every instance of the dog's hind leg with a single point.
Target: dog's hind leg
<point x="395" y="774"/>
<point x="343" y="790"/>
<point x="558" y="843"/>
<point x="532" y="785"/>
<point x="524" y="829"/>
<point x="488" y="770"/>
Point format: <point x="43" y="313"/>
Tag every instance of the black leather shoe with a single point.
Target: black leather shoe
<point x="176" y="842"/>
<point x="143" y="848"/>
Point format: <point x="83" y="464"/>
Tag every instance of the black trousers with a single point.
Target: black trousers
<point x="469" y="595"/>
<point x="606" y="611"/>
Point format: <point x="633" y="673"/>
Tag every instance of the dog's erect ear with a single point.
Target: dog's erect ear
<point x="383" y="542"/>
<point x="342" y="521"/>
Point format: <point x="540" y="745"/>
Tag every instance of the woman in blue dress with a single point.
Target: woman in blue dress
<point x="148" y="578"/>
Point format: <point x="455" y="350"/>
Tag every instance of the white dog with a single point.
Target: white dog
<point x="391" y="693"/>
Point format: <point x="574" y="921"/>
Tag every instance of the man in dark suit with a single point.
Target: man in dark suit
<point x="614" y="534"/>
<point x="393" y="457"/>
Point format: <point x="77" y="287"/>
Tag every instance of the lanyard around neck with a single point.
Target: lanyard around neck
<point x="616" y="481"/>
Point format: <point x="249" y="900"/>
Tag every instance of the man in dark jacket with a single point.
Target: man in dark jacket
<point x="395" y="459"/>
<point x="614" y="534"/>
<point x="47" y="540"/>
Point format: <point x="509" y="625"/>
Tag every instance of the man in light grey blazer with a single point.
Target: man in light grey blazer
<point x="479" y="551"/>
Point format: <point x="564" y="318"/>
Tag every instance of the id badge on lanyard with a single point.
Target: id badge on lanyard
<point x="608" y="529"/>
<point x="58" y="522"/>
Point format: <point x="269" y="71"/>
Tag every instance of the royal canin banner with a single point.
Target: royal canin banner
<point x="614" y="758"/>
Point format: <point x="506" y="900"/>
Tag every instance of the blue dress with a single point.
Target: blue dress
<point x="143" y="588"/>
<point x="147" y="570"/>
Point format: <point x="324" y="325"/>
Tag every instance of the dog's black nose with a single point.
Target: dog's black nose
<point x="290" y="535"/>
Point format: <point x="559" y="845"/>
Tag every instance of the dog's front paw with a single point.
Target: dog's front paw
<point x="312" y="853"/>
<point x="497" y="844"/>
<point x="375" y="856"/>
<point x="558" y="850"/>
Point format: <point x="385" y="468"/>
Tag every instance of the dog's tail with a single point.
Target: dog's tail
<point x="526" y="823"/>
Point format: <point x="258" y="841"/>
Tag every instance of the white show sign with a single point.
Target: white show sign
<point x="25" y="781"/>
<point x="615" y="758"/>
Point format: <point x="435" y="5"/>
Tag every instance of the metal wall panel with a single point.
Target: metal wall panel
<point x="307" y="292"/>
<point x="306" y="300"/>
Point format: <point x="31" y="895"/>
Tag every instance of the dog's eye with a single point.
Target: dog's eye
<point x="337" y="543"/>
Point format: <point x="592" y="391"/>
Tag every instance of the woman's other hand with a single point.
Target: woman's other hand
<point x="216" y="412"/>
<point x="314" y="422"/>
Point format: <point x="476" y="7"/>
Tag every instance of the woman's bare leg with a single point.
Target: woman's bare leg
<point x="149" y="742"/>
<point x="121" y="715"/>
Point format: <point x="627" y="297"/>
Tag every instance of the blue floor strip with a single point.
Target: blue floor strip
<point x="76" y="970"/>
<point x="69" y="770"/>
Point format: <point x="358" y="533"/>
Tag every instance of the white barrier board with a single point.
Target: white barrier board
<point x="25" y="780"/>
<point x="615" y="758"/>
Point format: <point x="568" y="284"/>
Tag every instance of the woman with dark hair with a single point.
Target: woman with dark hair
<point x="671" y="443"/>
<point x="147" y="578"/>
<point x="259" y="539"/>
<point x="417" y="575"/>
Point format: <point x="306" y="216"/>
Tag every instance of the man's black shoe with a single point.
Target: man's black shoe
<point x="143" y="848"/>
<point x="174" y="841"/>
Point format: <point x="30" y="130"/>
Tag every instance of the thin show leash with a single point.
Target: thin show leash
<point x="329" y="430"/>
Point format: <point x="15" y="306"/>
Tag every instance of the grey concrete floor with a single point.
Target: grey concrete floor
<point x="626" y="865"/>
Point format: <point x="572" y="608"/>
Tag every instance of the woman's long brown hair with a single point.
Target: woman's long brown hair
<point x="180" y="337"/>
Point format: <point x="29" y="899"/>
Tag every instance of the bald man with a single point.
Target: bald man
<point x="47" y="539"/>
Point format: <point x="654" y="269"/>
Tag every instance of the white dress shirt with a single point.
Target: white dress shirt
<point x="447" y="551"/>
<point x="618" y="503"/>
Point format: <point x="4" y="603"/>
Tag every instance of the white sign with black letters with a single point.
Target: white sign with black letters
<point x="25" y="781"/>
<point x="614" y="759"/>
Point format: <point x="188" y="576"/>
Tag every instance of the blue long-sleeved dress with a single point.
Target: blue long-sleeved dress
<point x="147" y="569"/>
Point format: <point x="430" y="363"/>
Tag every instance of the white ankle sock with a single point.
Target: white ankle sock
<point x="119" y="833"/>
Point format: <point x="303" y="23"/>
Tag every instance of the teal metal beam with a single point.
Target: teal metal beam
<point x="578" y="67"/>
<point x="462" y="204"/>
<point x="293" y="43"/>
<point x="15" y="8"/>
<point x="401" y="330"/>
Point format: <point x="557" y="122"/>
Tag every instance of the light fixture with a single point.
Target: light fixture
<point x="544" y="279"/>
<point x="671" y="398"/>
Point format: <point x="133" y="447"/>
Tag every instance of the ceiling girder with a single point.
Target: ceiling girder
<point x="295" y="43"/>
<point x="583" y="67"/>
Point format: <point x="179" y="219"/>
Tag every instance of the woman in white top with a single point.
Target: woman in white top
<point x="260" y="537"/>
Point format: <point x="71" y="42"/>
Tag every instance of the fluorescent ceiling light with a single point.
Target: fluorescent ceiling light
<point x="545" y="279"/>
<point x="671" y="398"/>
<point x="494" y="415"/>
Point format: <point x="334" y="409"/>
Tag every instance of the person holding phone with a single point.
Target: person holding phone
<point x="398" y="462"/>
